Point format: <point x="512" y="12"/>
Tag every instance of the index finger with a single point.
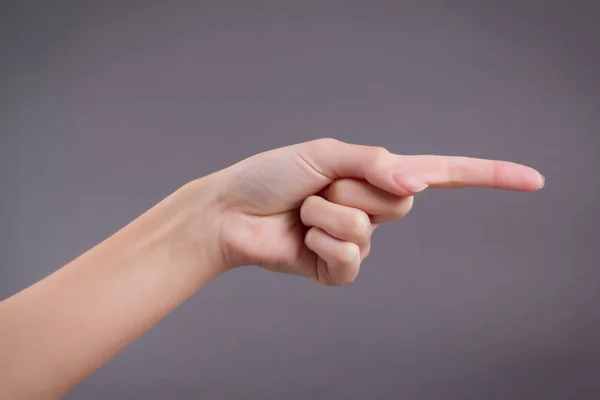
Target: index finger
<point x="460" y="172"/>
<point x="334" y="159"/>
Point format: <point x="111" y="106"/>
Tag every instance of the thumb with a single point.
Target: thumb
<point x="334" y="159"/>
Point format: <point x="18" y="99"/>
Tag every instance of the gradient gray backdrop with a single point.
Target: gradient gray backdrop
<point x="107" y="107"/>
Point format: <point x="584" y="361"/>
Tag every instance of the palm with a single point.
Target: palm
<point x="266" y="192"/>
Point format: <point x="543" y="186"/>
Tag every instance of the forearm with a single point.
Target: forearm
<point x="60" y="330"/>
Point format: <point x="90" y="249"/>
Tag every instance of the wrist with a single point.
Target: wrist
<point x="188" y="222"/>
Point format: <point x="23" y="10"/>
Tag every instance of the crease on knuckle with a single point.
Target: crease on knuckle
<point x="454" y="170"/>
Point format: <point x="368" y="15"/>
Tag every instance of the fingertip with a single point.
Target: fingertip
<point x="535" y="182"/>
<point x="542" y="181"/>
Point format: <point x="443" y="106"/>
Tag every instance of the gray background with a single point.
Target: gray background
<point x="106" y="107"/>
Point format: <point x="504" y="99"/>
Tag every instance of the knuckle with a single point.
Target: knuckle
<point x="380" y="153"/>
<point x="379" y="157"/>
<point x="357" y="224"/>
<point x="310" y="202"/>
<point x="327" y="142"/>
<point x="348" y="253"/>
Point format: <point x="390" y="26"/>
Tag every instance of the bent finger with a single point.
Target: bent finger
<point x="380" y="205"/>
<point x="342" y="259"/>
<point x="344" y="223"/>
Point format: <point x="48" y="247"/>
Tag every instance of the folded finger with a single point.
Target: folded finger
<point x="382" y="206"/>
<point x="341" y="259"/>
<point x="342" y="222"/>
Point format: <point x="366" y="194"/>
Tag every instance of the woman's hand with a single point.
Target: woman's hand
<point x="309" y="209"/>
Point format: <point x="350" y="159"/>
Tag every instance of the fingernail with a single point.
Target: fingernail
<point x="409" y="182"/>
<point x="542" y="181"/>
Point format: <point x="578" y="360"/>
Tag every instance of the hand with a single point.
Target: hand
<point x="309" y="209"/>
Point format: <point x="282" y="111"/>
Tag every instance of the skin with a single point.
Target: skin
<point x="307" y="209"/>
